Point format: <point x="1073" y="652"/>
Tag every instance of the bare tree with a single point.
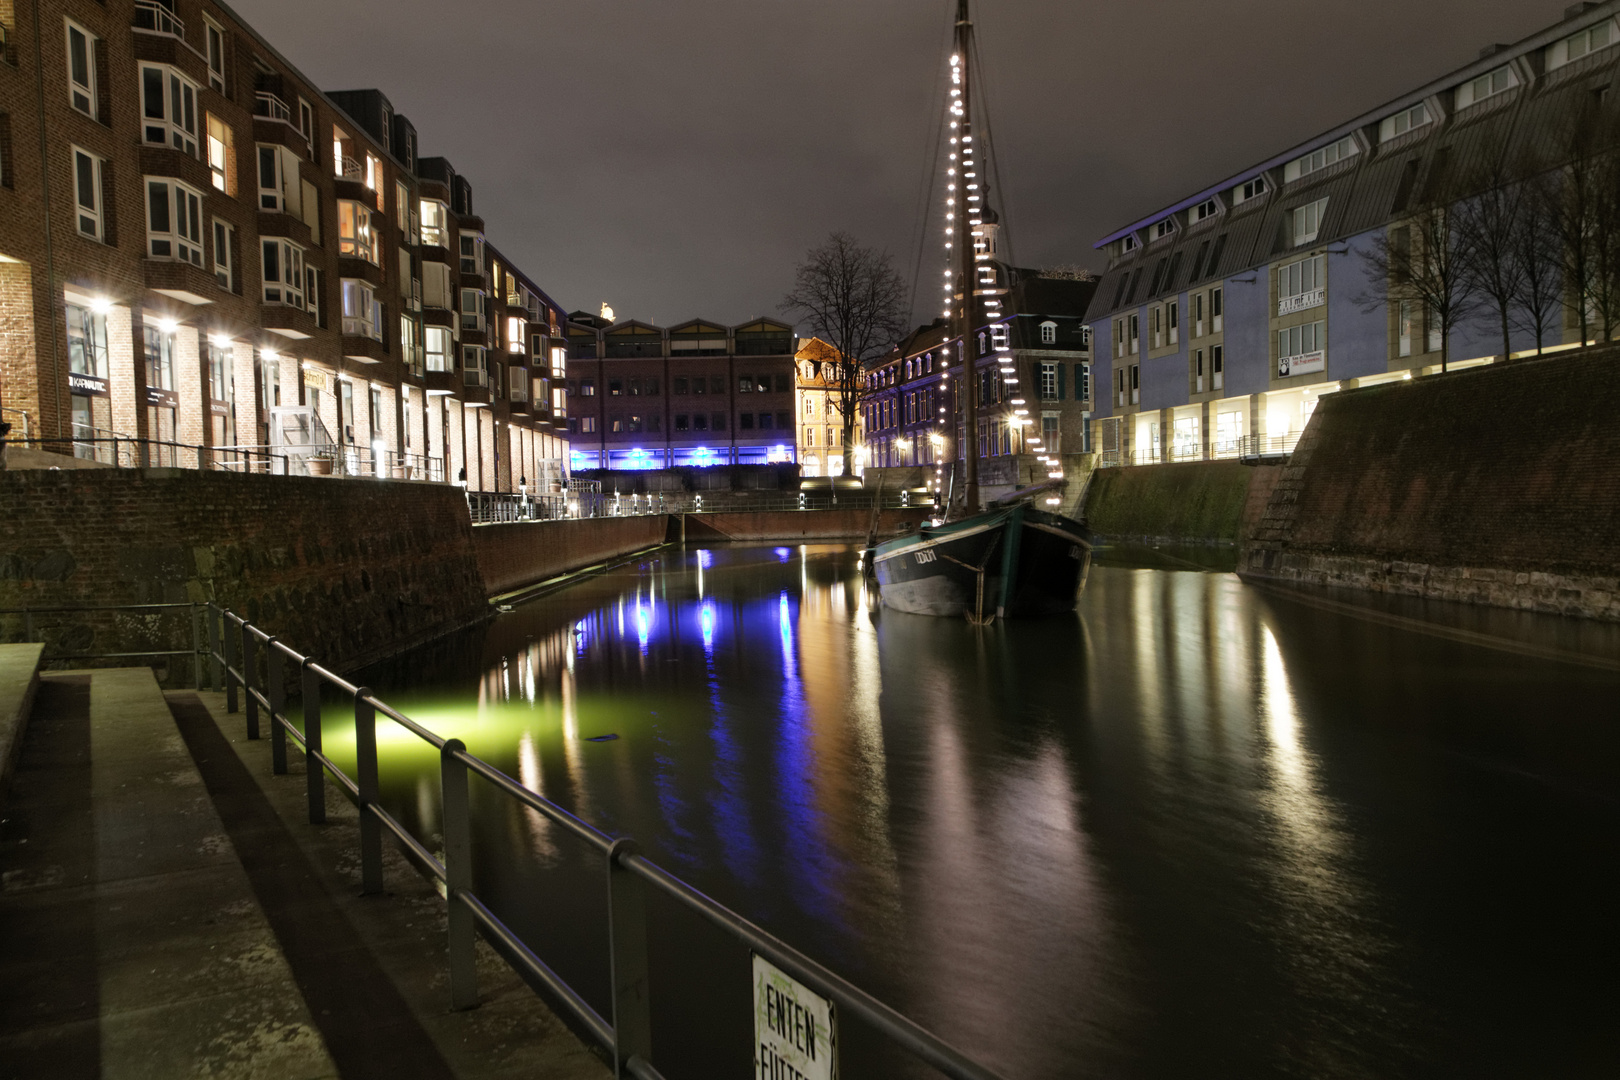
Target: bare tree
<point x="1535" y="250"/>
<point x="1488" y="225"/>
<point x="1421" y="261"/>
<point x="855" y="301"/>
<point x="1579" y="213"/>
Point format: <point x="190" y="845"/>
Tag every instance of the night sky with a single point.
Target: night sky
<point x="675" y="158"/>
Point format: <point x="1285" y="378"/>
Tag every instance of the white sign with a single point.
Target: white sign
<point x="1302" y="301"/>
<point x="795" y="1029"/>
<point x="1301" y="365"/>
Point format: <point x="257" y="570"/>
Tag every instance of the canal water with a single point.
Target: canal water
<point x="1197" y="829"/>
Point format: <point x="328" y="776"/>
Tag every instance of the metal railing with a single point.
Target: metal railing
<point x="128" y="452"/>
<point x="235" y="648"/>
<point x="270" y="106"/>
<point x="489" y="507"/>
<point x="1267" y="447"/>
<point x="25" y="429"/>
<point x="157" y="18"/>
<point x="33" y="623"/>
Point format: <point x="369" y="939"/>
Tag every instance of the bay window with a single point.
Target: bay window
<point x="472" y="253"/>
<point x="362" y="315"/>
<point x="410" y="343"/>
<point x="283" y="273"/>
<point x="435" y="223"/>
<point x="280" y="187"/>
<point x="173" y="221"/>
<point x="472" y="309"/>
<point x="168" y="108"/>
<point x="473" y="369"/>
<point x="439" y="348"/>
<point x="356" y="236"/>
<point x="516" y="328"/>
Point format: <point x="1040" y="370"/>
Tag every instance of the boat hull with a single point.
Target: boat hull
<point x="1014" y="563"/>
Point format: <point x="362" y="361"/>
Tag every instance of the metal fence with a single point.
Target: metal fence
<point x="127" y="452"/>
<point x="236" y="647"/>
<point x="42" y="623"/>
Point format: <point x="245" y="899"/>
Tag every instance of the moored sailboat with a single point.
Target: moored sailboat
<point x="1012" y="559"/>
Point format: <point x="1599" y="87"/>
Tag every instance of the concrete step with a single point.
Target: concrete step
<point x="131" y="941"/>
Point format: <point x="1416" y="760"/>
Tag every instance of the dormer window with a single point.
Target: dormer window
<point x="1319" y="159"/>
<point x="1251" y="189"/>
<point x="1129" y="243"/>
<point x="1586" y="42"/>
<point x="1163" y="228"/>
<point x="1486" y="86"/>
<point x="1205" y="209"/>
<point x="1048" y="333"/>
<point x="1393" y="127"/>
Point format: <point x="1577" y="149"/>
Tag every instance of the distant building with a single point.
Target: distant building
<point x="696" y="394"/>
<point x="820" y="424"/>
<point x="1225" y="316"/>
<point x="1033" y="363"/>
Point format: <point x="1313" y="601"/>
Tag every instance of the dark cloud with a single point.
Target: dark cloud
<point x="676" y="158"/>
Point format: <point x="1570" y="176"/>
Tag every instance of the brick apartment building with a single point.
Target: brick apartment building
<point x="201" y="252"/>
<point x="696" y="394"/>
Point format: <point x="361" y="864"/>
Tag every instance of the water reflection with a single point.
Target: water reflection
<point x="1192" y="829"/>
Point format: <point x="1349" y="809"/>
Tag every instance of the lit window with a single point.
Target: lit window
<point x="402" y="208"/>
<point x="516" y="329"/>
<point x="168" y="109"/>
<point x="356" y="237"/>
<point x="283" y="273"/>
<point x="87" y="193"/>
<point x="1487" y="85"/>
<point x="224" y="243"/>
<point x="221" y="155"/>
<point x="410" y="345"/>
<point x="439" y="347"/>
<point x="362" y="315"/>
<point x="1307" y="221"/>
<point x="344" y="163"/>
<point x="435" y="223"/>
<point x="173" y="221"/>
<point x="1317" y="160"/>
<point x="87" y="342"/>
<point x="81" y="55"/>
<point x="374" y="174"/>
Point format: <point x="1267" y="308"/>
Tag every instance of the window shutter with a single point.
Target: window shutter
<point x="1060" y="368"/>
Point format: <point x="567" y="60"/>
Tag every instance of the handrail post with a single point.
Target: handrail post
<point x="365" y="758"/>
<point x="278" y="698"/>
<point x="314" y="771"/>
<point x="458" y="875"/>
<point x="214" y="618"/>
<point x="249" y="662"/>
<point x="196" y="649"/>
<point x="627" y="942"/>
<point x="231" y="641"/>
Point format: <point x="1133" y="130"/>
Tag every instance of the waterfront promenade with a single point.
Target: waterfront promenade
<point x="165" y="913"/>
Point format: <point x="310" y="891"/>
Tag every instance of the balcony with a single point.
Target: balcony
<point x="270" y="107"/>
<point x="475" y="377"/>
<point x="158" y="19"/>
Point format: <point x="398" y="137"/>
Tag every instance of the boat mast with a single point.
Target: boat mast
<point x="968" y="213"/>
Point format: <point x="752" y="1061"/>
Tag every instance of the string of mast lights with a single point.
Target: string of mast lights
<point x="962" y="155"/>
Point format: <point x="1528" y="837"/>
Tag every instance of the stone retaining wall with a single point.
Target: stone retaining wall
<point x="1497" y="485"/>
<point x="802" y="526"/>
<point x="1196" y="502"/>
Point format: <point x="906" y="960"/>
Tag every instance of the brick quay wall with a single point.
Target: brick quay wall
<point x="347" y="571"/>
<point x="1197" y="502"/>
<point x="514" y="554"/>
<point x="1495" y="485"/>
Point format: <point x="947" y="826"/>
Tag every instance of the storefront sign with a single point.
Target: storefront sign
<point x="86" y="384"/>
<point x="795" y="1029"/>
<point x="1301" y="365"/>
<point x="1303" y="301"/>
<point x="318" y="379"/>
<point x="163" y="399"/>
<point x="219" y="408"/>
